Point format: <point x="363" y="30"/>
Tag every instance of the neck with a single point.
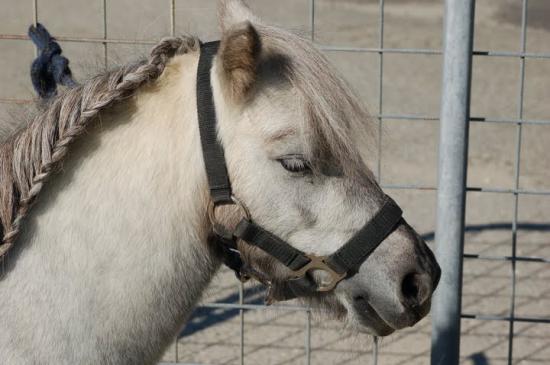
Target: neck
<point x="117" y="242"/>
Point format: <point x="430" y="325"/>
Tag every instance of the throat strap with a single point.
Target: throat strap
<point x="212" y="150"/>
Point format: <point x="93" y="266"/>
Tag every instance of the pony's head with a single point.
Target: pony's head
<point x="292" y="133"/>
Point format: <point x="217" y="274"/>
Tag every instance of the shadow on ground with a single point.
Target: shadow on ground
<point x="205" y="317"/>
<point x="479" y="359"/>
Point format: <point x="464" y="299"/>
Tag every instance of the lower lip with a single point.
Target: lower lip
<point x="368" y="309"/>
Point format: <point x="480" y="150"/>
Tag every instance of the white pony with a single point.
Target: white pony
<point x="113" y="256"/>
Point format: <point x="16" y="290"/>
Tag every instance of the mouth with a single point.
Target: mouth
<point x="369" y="318"/>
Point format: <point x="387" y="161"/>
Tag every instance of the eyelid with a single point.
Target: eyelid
<point x="292" y="155"/>
<point x="294" y="163"/>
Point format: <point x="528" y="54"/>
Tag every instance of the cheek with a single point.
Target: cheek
<point x="334" y="207"/>
<point x="264" y="187"/>
<point x="308" y="216"/>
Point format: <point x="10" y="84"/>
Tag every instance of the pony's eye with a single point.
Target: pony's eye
<point x="295" y="164"/>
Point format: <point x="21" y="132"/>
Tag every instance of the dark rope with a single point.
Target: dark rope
<point x="50" y="68"/>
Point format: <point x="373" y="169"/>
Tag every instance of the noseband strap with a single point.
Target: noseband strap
<point x="350" y="256"/>
<point x="343" y="263"/>
<point x="347" y="259"/>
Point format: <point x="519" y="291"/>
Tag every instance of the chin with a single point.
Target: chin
<point x="360" y="320"/>
<point x="373" y="328"/>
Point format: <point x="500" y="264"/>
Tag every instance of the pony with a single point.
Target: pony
<point x="107" y="246"/>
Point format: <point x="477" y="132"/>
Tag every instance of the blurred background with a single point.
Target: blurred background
<point x="401" y="86"/>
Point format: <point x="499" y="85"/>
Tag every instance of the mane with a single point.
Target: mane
<point x="9" y="127"/>
<point x="335" y="122"/>
<point x="31" y="155"/>
<point x="337" y="125"/>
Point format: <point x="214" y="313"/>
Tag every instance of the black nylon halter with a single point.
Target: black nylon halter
<point x="345" y="262"/>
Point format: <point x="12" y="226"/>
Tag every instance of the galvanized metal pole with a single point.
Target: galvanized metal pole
<point x="451" y="194"/>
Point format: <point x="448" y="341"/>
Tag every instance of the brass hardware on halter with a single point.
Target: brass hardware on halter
<point x="218" y="227"/>
<point x="319" y="263"/>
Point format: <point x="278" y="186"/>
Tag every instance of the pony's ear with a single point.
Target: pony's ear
<point x="239" y="57"/>
<point x="233" y="12"/>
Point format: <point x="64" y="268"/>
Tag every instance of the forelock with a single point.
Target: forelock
<point x="335" y="122"/>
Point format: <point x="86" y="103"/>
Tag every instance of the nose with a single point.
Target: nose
<point x="398" y="283"/>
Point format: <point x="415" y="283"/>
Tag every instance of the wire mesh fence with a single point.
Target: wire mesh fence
<point x="239" y="304"/>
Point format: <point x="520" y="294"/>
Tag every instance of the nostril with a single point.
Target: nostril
<point x="409" y="287"/>
<point x="415" y="289"/>
<point x="360" y="303"/>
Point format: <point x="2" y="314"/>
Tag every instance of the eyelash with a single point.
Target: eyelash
<point x="295" y="164"/>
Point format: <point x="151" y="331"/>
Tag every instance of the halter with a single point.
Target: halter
<point x="343" y="263"/>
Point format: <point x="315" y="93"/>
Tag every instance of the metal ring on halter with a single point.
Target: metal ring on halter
<point x="214" y="221"/>
<point x="319" y="263"/>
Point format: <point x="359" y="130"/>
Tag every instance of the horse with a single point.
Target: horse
<point x="104" y="199"/>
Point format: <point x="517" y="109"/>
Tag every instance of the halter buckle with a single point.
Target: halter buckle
<point x="218" y="227"/>
<point x="319" y="263"/>
<point x="249" y="272"/>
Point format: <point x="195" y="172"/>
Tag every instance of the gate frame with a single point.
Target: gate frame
<point x="451" y="191"/>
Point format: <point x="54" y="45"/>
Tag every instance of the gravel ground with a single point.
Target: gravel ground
<point x="411" y="85"/>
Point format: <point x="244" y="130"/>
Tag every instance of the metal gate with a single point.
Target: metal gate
<point x="457" y="57"/>
<point x="452" y="188"/>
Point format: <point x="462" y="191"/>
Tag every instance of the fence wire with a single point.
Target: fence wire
<point x="519" y="121"/>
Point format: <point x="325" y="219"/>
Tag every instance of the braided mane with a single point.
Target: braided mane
<point x="31" y="156"/>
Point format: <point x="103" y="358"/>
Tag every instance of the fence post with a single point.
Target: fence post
<point x="451" y="193"/>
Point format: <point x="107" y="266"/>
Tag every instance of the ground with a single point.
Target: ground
<point x="411" y="86"/>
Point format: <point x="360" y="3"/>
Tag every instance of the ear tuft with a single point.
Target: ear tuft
<point x="239" y="54"/>
<point x="233" y="12"/>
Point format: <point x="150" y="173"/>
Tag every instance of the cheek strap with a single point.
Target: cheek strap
<point x="212" y="150"/>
